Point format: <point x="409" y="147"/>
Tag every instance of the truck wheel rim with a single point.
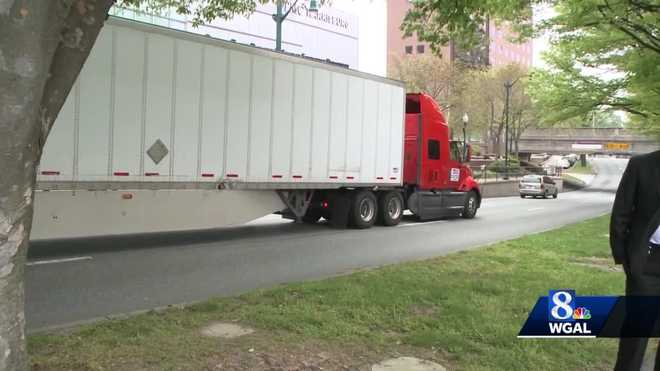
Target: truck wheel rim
<point x="394" y="208"/>
<point x="366" y="210"/>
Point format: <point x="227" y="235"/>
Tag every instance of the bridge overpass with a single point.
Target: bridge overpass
<point x="585" y="141"/>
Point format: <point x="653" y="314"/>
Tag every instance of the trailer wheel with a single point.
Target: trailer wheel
<point x="390" y="208"/>
<point x="364" y="209"/>
<point x="470" y="208"/>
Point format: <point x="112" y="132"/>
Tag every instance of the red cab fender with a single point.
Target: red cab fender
<point x="469" y="184"/>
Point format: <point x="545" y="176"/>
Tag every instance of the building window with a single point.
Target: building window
<point x="420" y="49"/>
<point x="409" y="49"/>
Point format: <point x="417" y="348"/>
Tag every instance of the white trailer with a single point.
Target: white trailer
<point x="166" y="130"/>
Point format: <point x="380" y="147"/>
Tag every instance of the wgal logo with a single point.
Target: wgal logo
<point x="563" y="316"/>
<point x="561" y="305"/>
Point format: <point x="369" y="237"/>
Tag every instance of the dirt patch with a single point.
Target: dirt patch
<point x="407" y="364"/>
<point x="423" y="310"/>
<point x="272" y="352"/>
<point x="604" y="264"/>
<point x="284" y="356"/>
<point x="225" y="330"/>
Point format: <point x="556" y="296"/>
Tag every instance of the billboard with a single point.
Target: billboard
<point x="327" y="34"/>
<point x="617" y="146"/>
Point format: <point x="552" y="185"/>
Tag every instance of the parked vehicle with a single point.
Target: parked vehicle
<point x="557" y="162"/>
<point x="538" y="157"/>
<point x="571" y="160"/>
<point x="193" y="132"/>
<point x="538" y="185"/>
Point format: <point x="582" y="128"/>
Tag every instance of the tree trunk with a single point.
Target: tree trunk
<point x="43" y="48"/>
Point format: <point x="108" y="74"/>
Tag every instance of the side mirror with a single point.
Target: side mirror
<point x="468" y="153"/>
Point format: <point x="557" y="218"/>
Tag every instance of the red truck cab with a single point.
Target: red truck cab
<point x="436" y="176"/>
<point x="437" y="182"/>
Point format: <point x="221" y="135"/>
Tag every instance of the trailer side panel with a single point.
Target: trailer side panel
<point x="159" y="105"/>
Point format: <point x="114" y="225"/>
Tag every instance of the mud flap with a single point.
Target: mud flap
<point x="340" y="206"/>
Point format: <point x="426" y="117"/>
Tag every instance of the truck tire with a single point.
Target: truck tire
<point x="390" y="208"/>
<point x="470" y="208"/>
<point x="364" y="209"/>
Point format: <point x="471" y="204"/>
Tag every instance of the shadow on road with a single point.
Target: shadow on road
<point x="598" y="189"/>
<point x="62" y="247"/>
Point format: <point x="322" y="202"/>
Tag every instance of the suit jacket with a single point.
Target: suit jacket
<point x="652" y="265"/>
<point x="635" y="207"/>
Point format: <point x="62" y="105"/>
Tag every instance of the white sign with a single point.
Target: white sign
<point x="329" y="34"/>
<point x="455" y="174"/>
<point x="590" y="146"/>
<point x="327" y="18"/>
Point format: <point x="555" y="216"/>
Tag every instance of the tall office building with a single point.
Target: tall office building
<point x="495" y="49"/>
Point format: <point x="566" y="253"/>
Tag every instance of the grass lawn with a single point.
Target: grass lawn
<point x="463" y="310"/>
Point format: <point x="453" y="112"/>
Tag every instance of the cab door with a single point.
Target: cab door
<point x="454" y="165"/>
<point x="434" y="163"/>
<point x="453" y="198"/>
<point x="434" y="149"/>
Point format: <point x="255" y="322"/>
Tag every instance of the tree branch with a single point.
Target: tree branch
<point x="645" y="6"/>
<point x="613" y="22"/>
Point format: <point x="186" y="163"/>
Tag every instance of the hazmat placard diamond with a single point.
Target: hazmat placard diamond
<point x="157" y="151"/>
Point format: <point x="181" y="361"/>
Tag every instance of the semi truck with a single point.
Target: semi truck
<point x="166" y="130"/>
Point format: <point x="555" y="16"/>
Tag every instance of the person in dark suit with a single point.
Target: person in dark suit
<point x="631" y="229"/>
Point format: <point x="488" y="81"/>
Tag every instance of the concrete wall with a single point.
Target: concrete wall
<point x="507" y="188"/>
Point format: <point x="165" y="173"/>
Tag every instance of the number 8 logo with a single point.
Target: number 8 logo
<point x="562" y="304"/>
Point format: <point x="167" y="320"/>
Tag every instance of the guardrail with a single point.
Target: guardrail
<point x="494" y="172"/>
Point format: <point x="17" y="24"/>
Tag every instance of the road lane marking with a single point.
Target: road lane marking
<point x="414" y="224"/>
<point x="536" y="209"/>
<point x="55" y="261"/>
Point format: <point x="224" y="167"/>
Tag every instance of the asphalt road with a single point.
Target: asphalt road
<point x="81" y="280"/>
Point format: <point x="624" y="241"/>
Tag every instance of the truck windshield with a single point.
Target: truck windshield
<point x="456" y="150"/>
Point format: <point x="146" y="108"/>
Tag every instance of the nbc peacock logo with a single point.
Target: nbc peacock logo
<point x="581" y="313"/>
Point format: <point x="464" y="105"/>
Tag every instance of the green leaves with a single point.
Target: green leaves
<point x="602" y="59"/>
<point x="605" y="54"/>
<point x="440" y="21"/>
<point x="203" y="11"/>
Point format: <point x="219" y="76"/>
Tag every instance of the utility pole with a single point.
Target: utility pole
<point x="466" y="119"/>
<point x="507" y="85"/>
<point x="280" y="16"/>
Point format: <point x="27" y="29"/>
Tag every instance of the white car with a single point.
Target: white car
<point x="538" y="186"/>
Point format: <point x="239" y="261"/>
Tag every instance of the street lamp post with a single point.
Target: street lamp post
<point x="280" y="16"/>
<point x="466" y="119"/>
<point x="507" y="85"/>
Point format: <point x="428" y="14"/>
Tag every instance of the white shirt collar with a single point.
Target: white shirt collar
<point x="655" y="238"/>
